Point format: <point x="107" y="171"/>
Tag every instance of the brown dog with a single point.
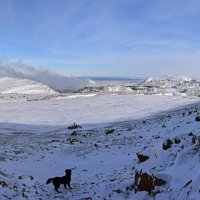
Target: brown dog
<point x="65" y="180"/>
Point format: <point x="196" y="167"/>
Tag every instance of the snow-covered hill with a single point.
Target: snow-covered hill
<point x="18" y="89"/>
<point x="23" y="86"/>
<point x="169" y="85"/>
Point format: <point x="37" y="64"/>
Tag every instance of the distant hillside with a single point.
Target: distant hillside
<point x="23" y="86"/>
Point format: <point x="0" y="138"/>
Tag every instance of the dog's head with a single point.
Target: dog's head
<point x="68" y="172"/>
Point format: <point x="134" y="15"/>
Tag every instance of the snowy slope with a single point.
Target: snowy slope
<point x="23" y="86"/>
<point x="35" y="144"/>
<point x="169" y="85"/>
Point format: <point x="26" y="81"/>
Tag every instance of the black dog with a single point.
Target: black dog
<point x="65" y="180"/>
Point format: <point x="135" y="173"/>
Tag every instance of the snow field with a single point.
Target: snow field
<point x="35" y="144"/>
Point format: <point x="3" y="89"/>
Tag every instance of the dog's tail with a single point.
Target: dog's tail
<point x="49" y="180"/>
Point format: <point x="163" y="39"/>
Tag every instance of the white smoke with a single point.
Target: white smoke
<point x="56" y="81"/>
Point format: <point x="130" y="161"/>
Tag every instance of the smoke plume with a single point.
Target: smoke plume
<point x="54" y="80"/>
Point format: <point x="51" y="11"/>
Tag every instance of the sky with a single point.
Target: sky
<point x="127" y="38"/>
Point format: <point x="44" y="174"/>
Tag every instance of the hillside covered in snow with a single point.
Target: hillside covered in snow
<point x="23" y="86"/>
<point x="119" y="137"/>
<point x="17" y="89"/>
<point x="169" y="85"/>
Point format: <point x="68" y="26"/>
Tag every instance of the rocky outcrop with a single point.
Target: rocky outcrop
<point x="146" y="182"/>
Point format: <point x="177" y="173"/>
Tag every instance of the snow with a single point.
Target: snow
<point x="88" y="109"/>
<point x="169" y="85"/>
<point x="23" y="86"/>
<point x="35" y="145"/>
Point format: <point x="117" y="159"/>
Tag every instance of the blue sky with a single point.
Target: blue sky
<point x="103" y="37"/>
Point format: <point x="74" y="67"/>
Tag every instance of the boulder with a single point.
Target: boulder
<point x="197" y="118"/>
<point x="74" y="126"/>
<point x="141" y="157"/>
<point x="167" y="144"/>
<point x="110" y="131"/>
<point x="146" y="182"/>
<point x="177" y="140"/>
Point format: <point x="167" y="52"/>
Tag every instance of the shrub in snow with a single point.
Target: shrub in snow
<point x="167" y="144"/>
<point x="146" y="182"/>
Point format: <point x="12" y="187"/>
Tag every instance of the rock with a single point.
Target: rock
<point x="118" y="191"/>
<point x="110" y="131"/>
<point x="3" y="184"/>
<point x="197" y="118"/>
<point x="190" y="134"/>
<point x="74" y="126"/>
<point x="74" y="133"/>
<point x="146" y="182"/>
<point x="141" y="157"/>
<point x="167" y="144"/>
<point x="73" y="140"/>
<point x="55" y="140"/>
<point x="177" y="140"/>
<point x="194" y="139"/>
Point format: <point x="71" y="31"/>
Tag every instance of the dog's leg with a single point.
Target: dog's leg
<point x="56" y="186"/>
<point x="69" y="185"/>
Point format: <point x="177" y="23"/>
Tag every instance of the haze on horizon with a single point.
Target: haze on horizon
<point x="129" y="38"/>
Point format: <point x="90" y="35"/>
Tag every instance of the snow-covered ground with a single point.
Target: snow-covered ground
<point x="36" y="144"/>
<point x="88" y="109"/>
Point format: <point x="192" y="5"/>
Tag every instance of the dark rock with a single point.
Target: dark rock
<point x="197" y="118"/>
<point x="167" y="144"/>
<point x="73" y="140"/>
<point x="177" y="140"/>
<point x="190" y="134"/>
<point x="190" y="112"/>
<point x="74" y="126"/>
<point x="118" y="191"/>
<point x="110" y="131"/>
<point x="146" y="182"/>
<point x="55" y="140"/>
<point x="3" y="184"/>
<point x="194" y="139"/>
<point x="74" y="133"/>
<point x="141" y="157"/>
